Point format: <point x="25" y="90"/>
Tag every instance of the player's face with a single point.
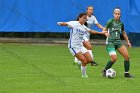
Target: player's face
<point x="90" y="10"/>
<point x="117" y="15"/>
<point x="83" y="19"/>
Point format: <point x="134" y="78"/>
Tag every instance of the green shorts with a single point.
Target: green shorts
<point x="111" y="47"/>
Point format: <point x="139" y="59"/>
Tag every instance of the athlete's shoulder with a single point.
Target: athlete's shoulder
<point x="121" y="22"/>
<point x="110" y="20"/>
<point x="72" y="22"/>
<point x="93" y="17"/>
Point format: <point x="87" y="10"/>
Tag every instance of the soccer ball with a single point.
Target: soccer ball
<point x="110" y="73"/>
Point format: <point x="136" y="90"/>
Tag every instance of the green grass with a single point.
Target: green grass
<point x="26" y="68"/>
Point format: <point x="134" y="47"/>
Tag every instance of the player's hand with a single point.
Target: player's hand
<point x="104" y="31"/>
<point x="107" y="35"/>
<point x="129" y="44"/>
<point x="59" y="23"/>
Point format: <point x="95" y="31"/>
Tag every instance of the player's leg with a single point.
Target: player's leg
<point x="113" y="57"/>
<point x="88" y="56"/>
<point x="85" y="58"/>
<point x="82" y="58"/>
<point x="123" y="51"/>
<point x="88" y="46"/>
<point x="78" y="53"/>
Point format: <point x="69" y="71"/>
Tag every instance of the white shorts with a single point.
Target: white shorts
<point x="74" y="51"/>
<point x="86" y="37"/>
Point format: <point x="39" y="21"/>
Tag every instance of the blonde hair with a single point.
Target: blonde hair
<point x="89" y="7"/>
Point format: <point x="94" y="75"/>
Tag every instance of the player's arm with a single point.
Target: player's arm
<point x="106" y="32"/>
<point x="105" y="29"/>
<point x="100" y="26"/>
<point x="62" y="23"/>
<point x="96" y="32"/>
<point x="126" y="38"/>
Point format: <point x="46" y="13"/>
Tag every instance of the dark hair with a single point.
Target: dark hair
<point x="86" y="24"/>
<point x="81" y="15"/>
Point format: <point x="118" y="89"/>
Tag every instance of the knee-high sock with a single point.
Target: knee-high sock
<point x="83" y="70"/>
<point x="126" y="66"/>
<point x="109" y="64"/>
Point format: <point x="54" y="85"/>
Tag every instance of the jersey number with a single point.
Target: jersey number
<point x="116" y="34"/>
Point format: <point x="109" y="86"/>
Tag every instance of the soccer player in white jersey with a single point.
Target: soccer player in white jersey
<point x="75" y="45"/>
<point x="91" y="20"/>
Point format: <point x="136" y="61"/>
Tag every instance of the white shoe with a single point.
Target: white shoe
<point x="84" y="76"/>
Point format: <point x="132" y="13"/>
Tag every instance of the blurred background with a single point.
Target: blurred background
<point x="38" y="18"/>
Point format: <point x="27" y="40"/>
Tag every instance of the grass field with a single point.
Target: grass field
<point x="28" y="68"/>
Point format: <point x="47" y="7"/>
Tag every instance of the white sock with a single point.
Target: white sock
<point x="126" y="72"/>
<point x="83" y="70"/>
<point x="90" y="52"/>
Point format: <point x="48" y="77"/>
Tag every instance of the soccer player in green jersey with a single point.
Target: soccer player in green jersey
<point x="115" y="27"/>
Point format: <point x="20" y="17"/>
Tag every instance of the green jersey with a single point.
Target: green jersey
<point x="114" y="29"/>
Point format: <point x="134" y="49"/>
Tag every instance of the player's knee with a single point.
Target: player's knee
<point x="89" y="47"/>
<point x="113" y="59"/>
<point x="127" y="58"/>
<point x="84" y="61"/>
<point x="89" y="60"/>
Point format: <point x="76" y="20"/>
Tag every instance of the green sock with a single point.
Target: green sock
<point x="126" y="65"/>
<point x="109" y="64"/>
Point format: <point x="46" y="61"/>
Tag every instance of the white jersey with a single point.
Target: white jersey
<point x="90" y="21"/>
<point x="76" y="34"/>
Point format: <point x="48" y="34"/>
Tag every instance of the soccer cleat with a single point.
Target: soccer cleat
<point x="104" y="73"/>
<point x="94" y="64"/>
<point x="127" y="75"/>
<point x="84" y="76"/>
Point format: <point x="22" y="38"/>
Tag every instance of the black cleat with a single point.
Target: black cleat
<point x="104" y="73"/>
<point x="127" y="75"/>
<point x="94" y="64"/>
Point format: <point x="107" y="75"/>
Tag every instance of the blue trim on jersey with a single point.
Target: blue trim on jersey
<point x="71" y="37"/>
<point x="73" y="50"/>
